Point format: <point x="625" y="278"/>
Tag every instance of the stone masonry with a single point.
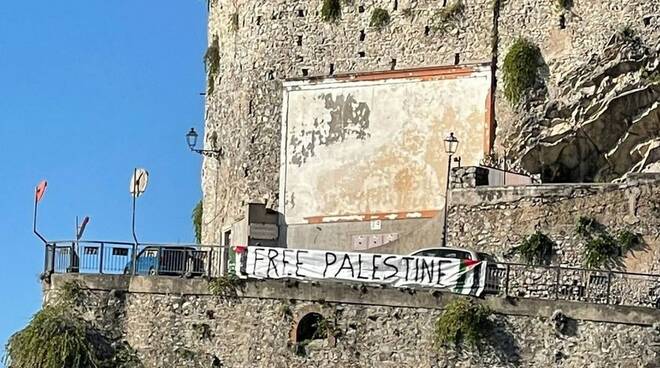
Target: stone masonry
<point x="262" y="43"/>
<point x="177" y="323"/>
<point x="496" y="219"/>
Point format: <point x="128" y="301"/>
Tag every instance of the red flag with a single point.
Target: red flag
<point x="469" y="262"/>
<point x="40" y="190"/>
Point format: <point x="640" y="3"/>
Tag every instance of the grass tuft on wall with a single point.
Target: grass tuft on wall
<point x="212" y="63"/>
<point x="331" y="10"/>
<point x="520" y="69"/>
<point x="448" y="15"/>
<point x="379" y="18"/>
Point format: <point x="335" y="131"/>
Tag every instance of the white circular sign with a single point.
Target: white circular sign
<point x="138" y="182"/>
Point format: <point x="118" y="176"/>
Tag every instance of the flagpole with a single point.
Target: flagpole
<point x="135" y="245"/>
<point x="34" y="219"/>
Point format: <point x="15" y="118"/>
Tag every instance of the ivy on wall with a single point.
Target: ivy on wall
<point x="331" y="10"/>
<point x="379" y="18"/>
<point x="565" y="4"/>
<point x="520" y="69"/>
<point x="197" y="213"/>
<point x="448" y="15"/>
<point x="212" y="63"/>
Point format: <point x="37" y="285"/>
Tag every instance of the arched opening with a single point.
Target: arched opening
<point x="310" y="327"/>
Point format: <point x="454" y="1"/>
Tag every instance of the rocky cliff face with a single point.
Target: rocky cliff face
<point x="600" y="122"/>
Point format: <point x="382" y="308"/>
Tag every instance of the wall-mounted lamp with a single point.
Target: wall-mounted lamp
<point x="451" y="145"/>
<point x="191" y="138"/>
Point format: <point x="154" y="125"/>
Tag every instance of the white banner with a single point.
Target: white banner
<point x="462" y="276"/>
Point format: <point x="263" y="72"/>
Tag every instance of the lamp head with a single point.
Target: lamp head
<point x="191" y="138"/>
<point x="451" y="144"/>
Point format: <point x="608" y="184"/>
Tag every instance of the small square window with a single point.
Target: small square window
<point x="91" y="250"/>
<point x="119" y="251"/>
<point x="150" y="253"/>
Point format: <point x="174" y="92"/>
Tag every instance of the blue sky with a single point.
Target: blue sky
<point x="89" y="90"/>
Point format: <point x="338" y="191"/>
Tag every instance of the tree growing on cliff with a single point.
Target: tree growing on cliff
<point x="58" y="337"/>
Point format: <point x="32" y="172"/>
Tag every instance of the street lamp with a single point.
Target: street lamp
<point x="191" y="139"/>
<point x="451" y="145"/>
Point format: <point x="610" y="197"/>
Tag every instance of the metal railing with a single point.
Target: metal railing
<point x="502" y="279"/>
<point x="104" y="257"/>
<point x="574" y="284"/>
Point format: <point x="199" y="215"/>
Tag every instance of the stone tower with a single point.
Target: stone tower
<point x="254" y="45"/>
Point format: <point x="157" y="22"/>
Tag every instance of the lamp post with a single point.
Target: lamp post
<point x="191" y="138"/>
<point x="451" y="145"/>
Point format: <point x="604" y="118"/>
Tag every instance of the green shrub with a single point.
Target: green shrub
<point x="601" y="248"/>
<point x="197" y="213"/>
<point x="628" y="240"/>
<point x="565" y="4"/>
<point x="225" y="286"/>
<point x="450" y="13"/>
<point x="537" y="248"/>
<point x="462" y="320"/>
<point x="520" y="69"/>
<point x="70" y="293"/>
<point x="379" y="18"/>
<point x="331" y="10"/>
<point x="585" y="226"/>
<point x="212" y="62"/>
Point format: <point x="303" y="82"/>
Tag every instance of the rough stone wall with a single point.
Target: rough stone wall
<point x="581" y="80"/>
<point x="201" y="330"/>
<point x="494" y="220"/>
<point x="175" y="331"/>
<point x="276" y="40"/>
